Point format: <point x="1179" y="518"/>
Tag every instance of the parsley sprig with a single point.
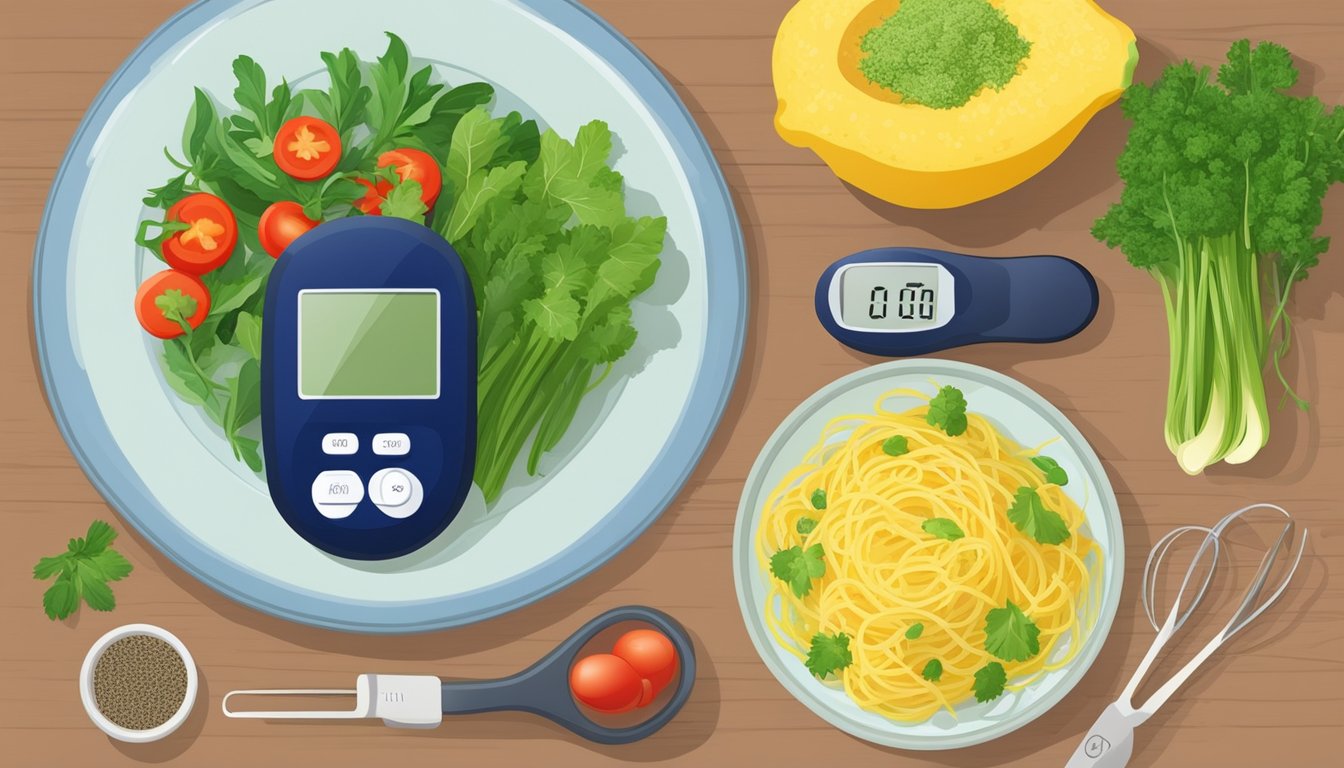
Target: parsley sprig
<point x="947" y="410"/>
<point x="82" y="573"/>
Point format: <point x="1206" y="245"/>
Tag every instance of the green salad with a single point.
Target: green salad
<point x="538" y="219"/>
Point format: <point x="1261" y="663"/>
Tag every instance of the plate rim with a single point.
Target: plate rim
<point x="72" y="402"/>
<point x="744" y="553"/>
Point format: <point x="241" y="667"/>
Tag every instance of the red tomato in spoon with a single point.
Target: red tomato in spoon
<point x="652" y="656"/>
<point x="608" y="683"/>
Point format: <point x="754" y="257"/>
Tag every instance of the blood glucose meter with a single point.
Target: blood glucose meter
<point x="368" y="375"/>
<point x="913" y="301"/>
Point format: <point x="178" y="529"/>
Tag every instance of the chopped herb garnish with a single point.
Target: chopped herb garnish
<point x="989" y="681"/>
<point x="1010" y="634"/>
<point x="942" y="528"/>
<point x="914" y="631"/>
<point x="933" y="671"/>
<point x="1031" y="517"/>
<point x="947" y="410"/>
<point x="805" y="525"/>
<point x="829" y="653"/>
<point x="819" y="499"/>
<point x="897" y="445"/>
<point x="798" y="567"/>
<point x="1054" y="474"/>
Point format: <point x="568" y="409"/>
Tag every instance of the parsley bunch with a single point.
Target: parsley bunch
<point x="82" y="573"/>
<point x="1223" y="187"/>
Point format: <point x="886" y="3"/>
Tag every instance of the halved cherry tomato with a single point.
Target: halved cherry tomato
<point x="307" y="148"/>
<point x="415" y="165"/>
<point x="281" y="224"/>
<point x="151" y="315"/>
<point x="652" y="656"/>
<point x="607" y="683"/>
<point x="209" y="240"/>
<point x="372" y="201"/>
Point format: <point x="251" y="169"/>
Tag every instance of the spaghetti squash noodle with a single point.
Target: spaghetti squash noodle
<point x="866" y="500"/>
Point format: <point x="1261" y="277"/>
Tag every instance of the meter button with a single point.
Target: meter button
<point x="340" y="443"/>
<point x="336" y="493"/>
<point x="391" y="444"/>
<point x="396" y="492"/>
<point x="395" y="488"/>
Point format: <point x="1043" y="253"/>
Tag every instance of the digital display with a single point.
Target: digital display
<point x="890" y="297"/>
<point x="368" y="344"/>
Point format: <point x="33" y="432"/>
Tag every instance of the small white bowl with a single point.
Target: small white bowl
<point x="91" y="704"/>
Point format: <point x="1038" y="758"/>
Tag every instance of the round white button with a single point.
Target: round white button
<point x="340" y="443"/>
<point x="337" y="492"/>
<point x="396" y="488"/>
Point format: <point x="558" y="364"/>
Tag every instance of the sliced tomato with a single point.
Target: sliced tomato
<point x="178" y="289"/>
<point x="307" y="148"/>
<point x="372" y="201"/>
<point x="281" y="224"/>
<point x="415" y="165"/>
<point x="209" y="239"/>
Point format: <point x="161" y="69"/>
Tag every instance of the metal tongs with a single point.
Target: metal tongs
<point x="421" y="701"/>
<point x="1110" y="740"/>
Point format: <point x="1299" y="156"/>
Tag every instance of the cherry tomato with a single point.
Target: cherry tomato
<point x="307" y="148"/>
<point x="150" y="314"/>
<point x="415" y="165"/>
<point x="607" y="683"/>
<point x="209" y="240"/>
<point x="281" y="224"/>
<point x="652" y="656"/>
<point x="372" y="201"/>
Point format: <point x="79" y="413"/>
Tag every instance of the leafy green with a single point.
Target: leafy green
<point x="82" y="573"/>
<point x="1222" y="203"/>
<point x="933" y="671"/>
<point x="896" y="445"/>
<point x="942" y="528"/>
<point x="914" y="631"/>
<point x="1054" y="474"/>
<point x="805" y="525"/>
<point x="798" y="567"/>
<point x="989" y="682"/>
<point x="947" y="410"/>
<point x="1010" y="634"/>
<point x="1031" y="517"/>
<point x="828" y="654"/>
<point x="403" y="201"/>
<point x="818" y="499"/>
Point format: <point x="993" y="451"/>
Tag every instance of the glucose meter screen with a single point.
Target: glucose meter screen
<point x="366" y="344"/>
<point x="889" y="297"/>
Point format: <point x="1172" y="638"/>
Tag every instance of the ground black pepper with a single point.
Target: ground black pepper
<point x="139" y="682"/>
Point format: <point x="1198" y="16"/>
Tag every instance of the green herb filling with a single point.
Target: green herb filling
<point x="940" y="53"/>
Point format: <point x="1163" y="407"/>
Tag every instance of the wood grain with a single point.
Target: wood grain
<point x="1273" y="698"/>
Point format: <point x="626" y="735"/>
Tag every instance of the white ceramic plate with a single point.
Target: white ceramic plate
<point x="1019" y="413"/>
<point x="169" y="472"/>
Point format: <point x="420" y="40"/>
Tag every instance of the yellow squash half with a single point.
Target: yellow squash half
<point x="1081" y="60"/>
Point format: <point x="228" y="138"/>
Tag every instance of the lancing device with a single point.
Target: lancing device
<point x="900" y="302"/>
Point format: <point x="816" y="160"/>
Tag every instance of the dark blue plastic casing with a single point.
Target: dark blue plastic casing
<point x="369" y="253"/>
<point x="1032" y="299"/>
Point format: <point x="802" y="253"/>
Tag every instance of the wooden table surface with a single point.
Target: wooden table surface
<point x="1275" y="695"/>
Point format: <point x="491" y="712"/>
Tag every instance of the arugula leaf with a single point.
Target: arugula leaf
<point x="897" y="445"/>
<point x="169" y="193"/>
<point x="348" y="97"/>
<point x="914" y="631"/>
<point x="1054" y="474"/>
<point x="942" y="528"/>
<point x="1010" y="634"/>
<point x="244" y="406"/>
<point x="438" y="130"/>
<point x="250" y="95"/>
<point x="480" y="189"/>
<point x="607" y="341"/>
<point x="82" y="571"/>
<point x="805" y="525"/>
<point x="818" y="499"/>
<point x="989" y="682"/>
<point x="403" y="202"/>
<point x="474" y="144"/>
<point x="247" y="332"/>
<point x="1029" y="514"/>
<point x="200" y="121"/>
<point x="798" y="567"/>
<point x="933" y="671"/>
<point x="947" y="410"/>
<point x="390" y="91"/>
<point x="828" y="653"/>
<point x="577" y="176"/>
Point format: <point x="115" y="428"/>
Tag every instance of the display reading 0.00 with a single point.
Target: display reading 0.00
<point x="890" y="296"/>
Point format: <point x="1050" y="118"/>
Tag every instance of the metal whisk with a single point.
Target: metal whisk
<point x="1110" y="741"/>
